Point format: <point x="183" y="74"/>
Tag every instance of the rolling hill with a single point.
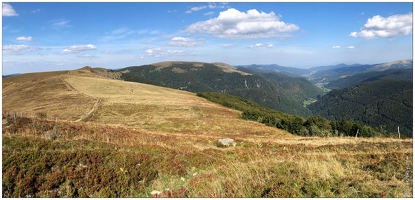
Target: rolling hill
<point x="219" y="77"/>
<point x="77" y="134"/>
<point x="83" y="95"/>
<point x="324" y="75"/>
<point x="350" y="81"/>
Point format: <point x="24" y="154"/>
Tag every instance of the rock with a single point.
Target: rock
<point x="227" y="142"/>
<point x="155" y="193"/>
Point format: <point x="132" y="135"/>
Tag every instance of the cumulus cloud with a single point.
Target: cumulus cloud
<point x="184" y="42"/>
<point x="390" y="27"/>
<point x="8" y="10"/>
<point x="78" y="48"/>
<point x="336" y="47"/>
<point x="234" y="24"/>
<point x="209" y="13"/>
<point x="25" y="39"/>
<point x="350" y="47"/>
<point x="17" y="49"/>
<point x="270" y="45"/>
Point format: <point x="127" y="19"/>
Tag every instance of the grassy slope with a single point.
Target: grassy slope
<point x="40" y="92"/>
<point x="150" y="138"/>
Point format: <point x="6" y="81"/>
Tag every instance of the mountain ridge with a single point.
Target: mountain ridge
<point x="218" y="77"/>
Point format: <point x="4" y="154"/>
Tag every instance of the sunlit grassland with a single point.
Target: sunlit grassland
<point x="131" y="163"/>
<point x="44" y="93"/>
<point x="143" y="141"/>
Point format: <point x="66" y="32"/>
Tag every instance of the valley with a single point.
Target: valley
<point x="79" y="134"/>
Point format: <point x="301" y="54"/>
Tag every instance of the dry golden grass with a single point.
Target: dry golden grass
<point x="164" y="110"/>
<point x="44" y="92"/>
<point x="179" y="130"/>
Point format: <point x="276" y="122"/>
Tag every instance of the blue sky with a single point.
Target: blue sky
<point x="60" y="36"/>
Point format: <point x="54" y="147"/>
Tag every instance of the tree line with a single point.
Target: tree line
<point x="311" y="126"/>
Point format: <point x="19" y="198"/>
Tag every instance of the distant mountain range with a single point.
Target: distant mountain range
<point x="349" y="81"/>
<point x="273" y="90"/>
<point x="324" y="74"/>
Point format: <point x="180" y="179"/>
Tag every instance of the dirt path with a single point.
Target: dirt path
<point x="92" y="111"/>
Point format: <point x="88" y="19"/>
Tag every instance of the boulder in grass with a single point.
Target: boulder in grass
<point x="226" y="142"/>
<point x="155" y="193"/>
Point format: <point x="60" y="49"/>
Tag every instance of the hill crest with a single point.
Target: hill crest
<point x="223" y="66"/>
<point x="81" y="95"/>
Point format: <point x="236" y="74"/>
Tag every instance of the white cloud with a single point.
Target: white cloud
<point x="256" y="45"/>
<point x="184" y="42"/>
<point x="60" y="24"/>
<point x="336" y="47"/>
<point x="35" y="11"/>
<point x="212" y="5"/>
<point x="350" y="47"/>
<point x="87" y="56"/>
<point x="194" y="9"/>
<point x="117" y="52"/>
<point x="270" y="45"/>
<point x="159" y="52"/>
<point x="198" y="8"/>
<point x="78" y="48"/>
<point x="17" y="49"/>
<point x="390" y="27"/>
<point x="228" y="45"/>
<point x="120" y="33"/>
<point x="209" y="13"/>
<point x="25" y="39"/>
<point x="8" y="11"/>
<point x="233" y="24"/>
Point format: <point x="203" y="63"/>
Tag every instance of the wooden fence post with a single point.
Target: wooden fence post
<point x="399" y="134"/>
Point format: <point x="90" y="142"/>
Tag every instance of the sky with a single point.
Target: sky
<point x="39" y="37"/>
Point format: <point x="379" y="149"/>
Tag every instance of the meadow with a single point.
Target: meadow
<point x="87" y="136"/>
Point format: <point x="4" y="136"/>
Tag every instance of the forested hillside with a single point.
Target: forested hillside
<point x="286" y="96"/>
<point x="298" y="88"/>
<point x="384" y="104"/>
<point x="312" y="126"/>
<point x="395" y="74"/>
